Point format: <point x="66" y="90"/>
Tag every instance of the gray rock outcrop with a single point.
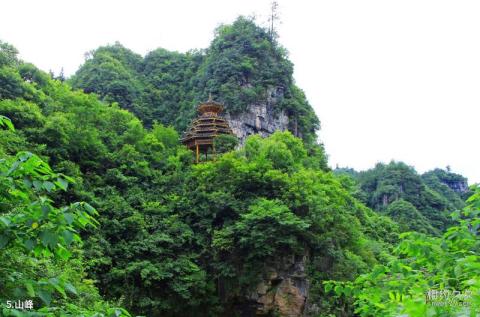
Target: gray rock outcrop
<point x="262" y="118"/>
<point x="284" y="289"/>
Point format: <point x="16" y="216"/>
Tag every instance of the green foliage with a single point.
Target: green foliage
<point x="8" y="55"/>
<point x="109" y="71"/>
<point x="31" y="74"/>
<point x="85" y="138"/>
<point x="424" y="264"/>
<point x="225" y="142"/>
<point x="11" y="84"/>
<point x="242" y="63"/>
<point x="170" y="87"/>
<point x="450" y="185"/>
<point x="303" y="121"/>
<point x="177" y="239"/>
<point x="37" y="239"/>
<point x="408" y="217"/>
<point x="156" y="88"/>
<point x="264" y="204"/>
<point x="266" y="231"/>
<point x="22" y="113"/>
<point x="388" y="183"/>
<point x="38" y="226"/>
<point x="174" y="238"/>
<point x="242" y="66"/>
<point x="166" y="136"/>
<point x="281" y="151"/>
<point x="6" y="122"/>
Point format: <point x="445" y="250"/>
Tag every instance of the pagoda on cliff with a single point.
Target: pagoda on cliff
<point x="205" y="128"/>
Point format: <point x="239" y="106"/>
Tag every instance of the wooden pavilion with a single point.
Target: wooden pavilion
<point x="205" y="128"/>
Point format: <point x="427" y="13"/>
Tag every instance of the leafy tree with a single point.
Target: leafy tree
<point x="450" y="185"/>
<point x="11" y="83"/>
<point x="8" y="55"/>
<point x="38" y="240"/>
<point x="387" y="183"/>
<point x="224" y="143"/>
<point x="244" y="65"/>
<point x="175" y="238"/>
<point x="409" y="218"/>
<point x="111" y="73"/>
<point x="411" y="282"/>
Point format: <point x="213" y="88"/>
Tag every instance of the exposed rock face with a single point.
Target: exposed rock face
<point x="457" y="186"/>
<point x="284" y="290"/>
<point x="260" y="118"/>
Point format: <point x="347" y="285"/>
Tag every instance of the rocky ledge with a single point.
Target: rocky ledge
<point x="263" y="118"/>
<point x="284" y="290"/>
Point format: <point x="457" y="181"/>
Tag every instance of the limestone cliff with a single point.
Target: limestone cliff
<point x="283" y="291"/>
<point x="262" y="118"/>
<point x="458" y="186"/>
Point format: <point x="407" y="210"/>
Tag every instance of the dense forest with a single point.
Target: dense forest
<point x="238" y="68"/>
<point x="421" y="203"/>
<point x="104" y="213"/>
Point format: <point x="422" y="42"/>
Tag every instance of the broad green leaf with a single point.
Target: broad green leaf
<point x="29" y="244"/>
<point x="62" y="252"/>
<point x="5" y="221"/>
<point x="45" y="296"/>
<point x="37" y="184"/>
<point x="56" y="284"/>
<point x="46" y="209"/>
<point x="4" y="239"/>
<point x="90" y="209"/>
<point x="6" y="122"/>
<point x="328" y="287"/>
<point x="70" y="288"/>
<point x="30" y="290"/>
<point x="69" y="217"/>
<point x="67" y="236"/>
<point x="62" y="183"/>
<point x="49" y="239"/>
<point x="49" y="186"/>
<point x="27" y="182"/>
<point x="338" y="289"/>
<point x="391" y="295"/>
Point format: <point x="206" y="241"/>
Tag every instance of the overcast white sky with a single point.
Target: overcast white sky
<point x="388" y="79"/>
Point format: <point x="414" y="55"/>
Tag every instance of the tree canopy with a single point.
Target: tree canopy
<point x="429" y="194"/>
<point x="104" y="213"/>
<point x="243" y="65"/>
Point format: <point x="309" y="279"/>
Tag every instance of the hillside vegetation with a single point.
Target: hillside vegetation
<point x="417" y="202"/>
<point x="110" y="217"/>
<point x="239" y="68"/>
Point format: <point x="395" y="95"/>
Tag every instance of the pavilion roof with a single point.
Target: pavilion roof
<point x="208" y="125"/>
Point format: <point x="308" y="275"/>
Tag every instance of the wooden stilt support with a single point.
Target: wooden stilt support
<point x="198" y="153"/>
